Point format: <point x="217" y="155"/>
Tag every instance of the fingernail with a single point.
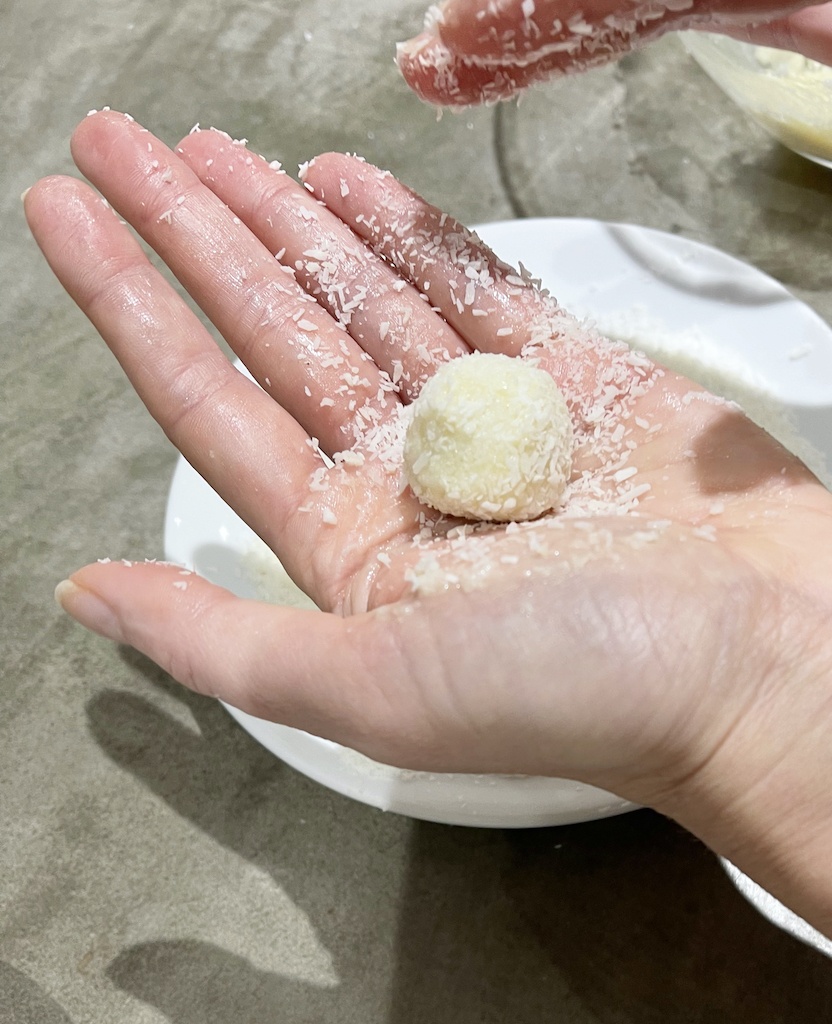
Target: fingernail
<point x="25" y="193"/>
<point x="88" y="609"/>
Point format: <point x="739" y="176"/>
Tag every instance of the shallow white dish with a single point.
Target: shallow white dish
<point x="596" y="269"/>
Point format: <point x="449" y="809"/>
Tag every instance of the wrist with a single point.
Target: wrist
<point x="763" y="796"/>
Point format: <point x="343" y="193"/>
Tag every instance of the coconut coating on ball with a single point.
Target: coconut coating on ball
<point x="489" y="438"/>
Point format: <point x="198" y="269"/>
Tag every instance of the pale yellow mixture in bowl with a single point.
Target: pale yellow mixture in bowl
<point x="787" y="94"/>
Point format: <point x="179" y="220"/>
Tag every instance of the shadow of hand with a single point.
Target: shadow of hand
<point x="628" y="919"/>
<point x="22" y="1001"/>
<point x="328" y="855"/>
<point x="197" y="983"/>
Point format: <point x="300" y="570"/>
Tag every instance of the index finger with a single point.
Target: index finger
<point x="476" y="51"/>
<point x="472" y="52"/>
<point x="249" y="449"/>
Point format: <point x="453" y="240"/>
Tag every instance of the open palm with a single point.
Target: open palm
<point x="620" y="640"/>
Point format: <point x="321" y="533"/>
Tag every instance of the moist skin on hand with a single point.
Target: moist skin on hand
<point x="490" y="438"/>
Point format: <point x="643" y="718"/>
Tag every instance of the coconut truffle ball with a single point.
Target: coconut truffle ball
<point x="490" y="438"/>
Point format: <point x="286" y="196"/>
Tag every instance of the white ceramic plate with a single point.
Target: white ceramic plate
<point x="592" y="268"/>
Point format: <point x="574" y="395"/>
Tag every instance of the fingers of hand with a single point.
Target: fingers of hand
<point x="521" y="32"/>
<point x="248" y="447"/>
<point x="491" y="305"/>
<point x="295" y="350"/>
<point x="254" y="454"/>
<point x="385" y="315"/>
<point x="474" y="52"/>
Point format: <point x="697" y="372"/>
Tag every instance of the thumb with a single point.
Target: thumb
<point x="333" y="677"/>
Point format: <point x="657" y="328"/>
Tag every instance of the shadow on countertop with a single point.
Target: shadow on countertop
<point x="628" y="920"/>
<point x="23" y="1001"/>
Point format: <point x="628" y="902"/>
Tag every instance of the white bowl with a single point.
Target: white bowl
<point x="787" y="94"/>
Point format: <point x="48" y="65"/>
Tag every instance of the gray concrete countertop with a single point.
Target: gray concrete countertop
<point x="157" y="865"/>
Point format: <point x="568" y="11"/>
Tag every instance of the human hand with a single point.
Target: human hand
<point x="663" y="636"/>
<point x="478" y="51"/>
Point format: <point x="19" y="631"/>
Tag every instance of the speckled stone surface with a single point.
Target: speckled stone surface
<point x="157" y="865"/>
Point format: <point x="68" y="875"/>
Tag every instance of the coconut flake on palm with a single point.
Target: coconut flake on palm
<point x="489" y="438"/>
